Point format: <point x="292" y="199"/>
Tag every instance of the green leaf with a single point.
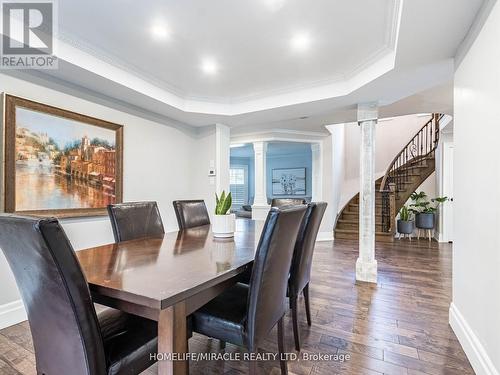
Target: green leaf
<point x="440" y="199"/>
<point x="226" y="205"/>
<point x="223" y="203"/>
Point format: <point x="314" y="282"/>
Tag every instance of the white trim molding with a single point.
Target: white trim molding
<point x="12" y="313"/>
<point x="278" y="135"/>
<point x="324" y="236"/>
<point x="476" y="353"/>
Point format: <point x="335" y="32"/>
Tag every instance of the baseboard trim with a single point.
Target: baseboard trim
<point x="12" y="313"/>
<point x="477" y="355"/>
<point x="325" y="236"/>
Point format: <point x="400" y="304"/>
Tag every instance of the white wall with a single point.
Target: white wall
<point x="325" y="164"/>
<point x="222" y="157"/>
<point x="161" y="163"/>
<point x="338" y="165"/>
<point x="475" y="311"/>
<point x="203" y="158"/>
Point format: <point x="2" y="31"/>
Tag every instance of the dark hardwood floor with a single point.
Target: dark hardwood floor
<point x="399" y="326"/>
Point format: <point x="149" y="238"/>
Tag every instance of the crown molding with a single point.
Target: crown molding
<point x="279" y="135"/>
<point x="475" y="29"/>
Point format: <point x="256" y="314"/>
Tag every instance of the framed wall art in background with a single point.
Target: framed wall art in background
<point x="289" y="181"/>
<point x="59" y="163"/>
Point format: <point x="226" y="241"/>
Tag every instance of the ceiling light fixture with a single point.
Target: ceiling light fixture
<point x="209" y="66"/>
<point x="159" y="31"/>
<point x="300" y="41"/>
<point x="274" y="5"/>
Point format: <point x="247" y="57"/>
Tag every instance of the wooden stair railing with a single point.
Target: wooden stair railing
<point x="416" y="153"/>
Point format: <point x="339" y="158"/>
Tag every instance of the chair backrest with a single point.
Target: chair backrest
<point x="268" y="283"/>
<point x="281" y="202"/>
<point x="300" y="271"/>
<point x="63" y="321"/>
<point x="133" y="220"/>
<point x="191" y="213"/>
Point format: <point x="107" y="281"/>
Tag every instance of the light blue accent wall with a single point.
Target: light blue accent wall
<point x="279" y="155"/>
<point x="295" y="160"/>
<point x="249" y="162"/>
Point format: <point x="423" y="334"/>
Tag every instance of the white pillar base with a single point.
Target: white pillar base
<point x="366" y="271"/>
<point x="259" y="212"/>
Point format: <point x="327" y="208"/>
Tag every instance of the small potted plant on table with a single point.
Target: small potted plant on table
<point x="224" y="222"/>
<point x="424" y="211"/>
<point x="405" y="223"/>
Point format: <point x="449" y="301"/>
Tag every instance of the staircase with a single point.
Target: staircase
<point x="408" y="170"/>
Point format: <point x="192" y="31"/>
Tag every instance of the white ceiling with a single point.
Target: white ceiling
<point x="248" y="39"/>
<point x="382" y="50"/>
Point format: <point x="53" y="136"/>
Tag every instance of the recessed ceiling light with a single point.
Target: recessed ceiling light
<point x="274" y="5"/>
<point x="209" y="65"/>
<point x="159" y="31"/>
<point x="300" y="41"/>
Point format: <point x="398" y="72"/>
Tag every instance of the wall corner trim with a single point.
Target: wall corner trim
<point x="476" y="353"/>
<point x="12" y="313"/>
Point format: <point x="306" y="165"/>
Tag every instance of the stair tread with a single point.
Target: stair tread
<point x="419" y="165"/>
<point x="409" y="174"/>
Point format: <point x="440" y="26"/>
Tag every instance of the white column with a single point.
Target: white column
<point x="322" y="159"/>
<point x="366" y="265"/>
<point x="260" y="207"/>
<point x="337" y="132"/>
<point x="317" y="169"/>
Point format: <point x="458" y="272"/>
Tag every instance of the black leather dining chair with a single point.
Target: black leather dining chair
<point x="281" y="202"/>
<point x="134" y="220"/>
<point x="300" y="270"/>
<point x="191" y="213"/>
<point x="245" y="314"/>
<point x="68" y="336"/>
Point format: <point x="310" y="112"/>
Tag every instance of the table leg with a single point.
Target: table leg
<point x="172" y="338"/>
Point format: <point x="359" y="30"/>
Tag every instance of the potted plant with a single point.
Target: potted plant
<point x="424" y="209"/>
<point x="405" y="223"/>
<point x="224" y="222"/>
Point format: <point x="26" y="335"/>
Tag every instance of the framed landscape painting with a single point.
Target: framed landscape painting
<point x="289" y="181"/>
<point x="59" y="163"/>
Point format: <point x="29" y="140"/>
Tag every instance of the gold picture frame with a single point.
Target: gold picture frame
<point x="58" y="162"/>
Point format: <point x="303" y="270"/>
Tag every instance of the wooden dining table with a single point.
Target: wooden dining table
<point x="167" y="278"/>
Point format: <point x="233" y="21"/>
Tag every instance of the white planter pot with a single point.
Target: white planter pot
<point x="223" y="225"/>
